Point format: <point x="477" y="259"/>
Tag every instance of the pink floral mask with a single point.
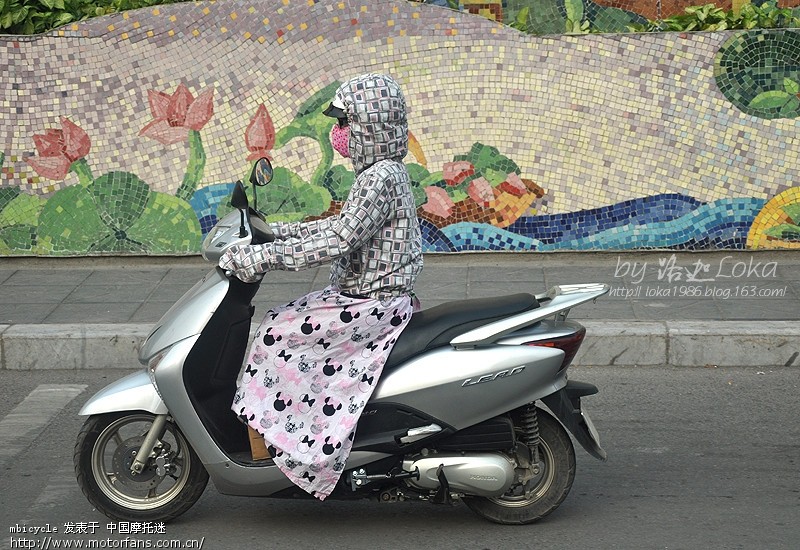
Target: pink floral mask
<point x="340" y="138"/>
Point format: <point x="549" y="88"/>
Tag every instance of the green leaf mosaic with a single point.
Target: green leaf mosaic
<point x="759" y="72"/>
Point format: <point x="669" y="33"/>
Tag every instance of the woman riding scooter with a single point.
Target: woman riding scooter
<point x="316" y="360"/>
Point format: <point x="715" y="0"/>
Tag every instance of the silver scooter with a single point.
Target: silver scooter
<point x="453" y="417"/>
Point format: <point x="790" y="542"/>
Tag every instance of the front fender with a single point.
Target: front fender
<point x="135" y="392"/>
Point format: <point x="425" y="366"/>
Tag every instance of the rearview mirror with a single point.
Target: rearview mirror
<point x="262" y="172"/>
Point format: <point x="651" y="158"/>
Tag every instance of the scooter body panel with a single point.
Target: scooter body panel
<point x="168" y="377"/>
<point x="188" y="316"/>
<point x="134" y="392"/>
<point x="265" y="479"/>
<point x="465" y="387"/>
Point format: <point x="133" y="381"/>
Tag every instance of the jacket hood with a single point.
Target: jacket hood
<point x="376" y="114"/>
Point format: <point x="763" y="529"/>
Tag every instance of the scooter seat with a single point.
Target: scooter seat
<point x="435" y="327"/>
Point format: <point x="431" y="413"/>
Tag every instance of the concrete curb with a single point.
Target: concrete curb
<point x="767" y="344"/>
<point x="734" y="343"/>
<point x="691" y="343"/>
<point x="71" y="347"/>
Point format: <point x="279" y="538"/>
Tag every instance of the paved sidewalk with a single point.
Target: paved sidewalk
<point x="733" y="307"/>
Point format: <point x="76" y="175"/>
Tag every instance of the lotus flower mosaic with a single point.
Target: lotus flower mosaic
<point x="117" y="211"/>
<point x="176" y="115"/>
<point x="179" y="117"/>
<point x="260" y="135"/>
<point x="59" y="149"/>
<point x="482" y="186"/>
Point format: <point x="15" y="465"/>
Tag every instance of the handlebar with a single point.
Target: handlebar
<point x="262" y="234"/>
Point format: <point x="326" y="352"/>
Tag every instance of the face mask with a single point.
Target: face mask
<point x="340" y="138"/>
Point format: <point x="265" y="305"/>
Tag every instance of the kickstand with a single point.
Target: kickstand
<point x="442" y="496"/>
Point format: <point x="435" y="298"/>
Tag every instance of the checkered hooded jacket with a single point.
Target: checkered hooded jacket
<point x="375" y="244"/>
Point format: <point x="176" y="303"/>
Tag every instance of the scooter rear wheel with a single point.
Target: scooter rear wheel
<point x="541" y="495"/>
<point x="168" y="485"/>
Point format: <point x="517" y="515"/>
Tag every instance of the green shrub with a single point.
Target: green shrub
<point x="711" y="18"/>
<point x="37" y="16"/>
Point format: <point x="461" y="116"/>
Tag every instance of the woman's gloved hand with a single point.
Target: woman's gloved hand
<point x="248" y="263"/>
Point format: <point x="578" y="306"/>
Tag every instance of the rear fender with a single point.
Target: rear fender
<point x="566" y="405"/>
<point x="135" y="392"/>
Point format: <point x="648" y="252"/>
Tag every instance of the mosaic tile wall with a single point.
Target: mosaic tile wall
<point x="126" y="135"/>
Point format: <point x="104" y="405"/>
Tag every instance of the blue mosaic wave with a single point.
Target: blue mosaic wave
<point x="475" y="236"/>
<point x="663" y="221"/>
<point x="558" y="228"/>
<point x="720" y="223"/>
<point x="433" y="240"/>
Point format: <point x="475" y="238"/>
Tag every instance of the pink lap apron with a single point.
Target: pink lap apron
<point x="311" y="370"/>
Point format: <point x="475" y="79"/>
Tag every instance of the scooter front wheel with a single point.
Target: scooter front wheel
<point x="172" y="480"/>
<point x="529" y="502"/>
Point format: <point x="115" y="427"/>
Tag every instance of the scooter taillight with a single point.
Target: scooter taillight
<point x="568" y="344"/>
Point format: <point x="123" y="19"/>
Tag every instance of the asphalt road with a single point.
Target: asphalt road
<point x="699" y="458"/>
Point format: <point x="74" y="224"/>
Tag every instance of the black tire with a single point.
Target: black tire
<point x="103" y="454"/>
<point x="541" y="495"/>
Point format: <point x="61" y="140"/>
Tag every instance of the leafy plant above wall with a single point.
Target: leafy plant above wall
<point x="709" y="17"/>
<point x="586" y="16"/>
<point x="37" y="16"/>
<point x="576" y="22"/>
<point x="541" y="17"/>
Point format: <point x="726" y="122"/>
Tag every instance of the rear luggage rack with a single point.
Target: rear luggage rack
<point x="555" y="303"/>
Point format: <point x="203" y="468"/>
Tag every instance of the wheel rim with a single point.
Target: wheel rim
<point x="526" y="494"/>
<point x="114" y="451"/>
